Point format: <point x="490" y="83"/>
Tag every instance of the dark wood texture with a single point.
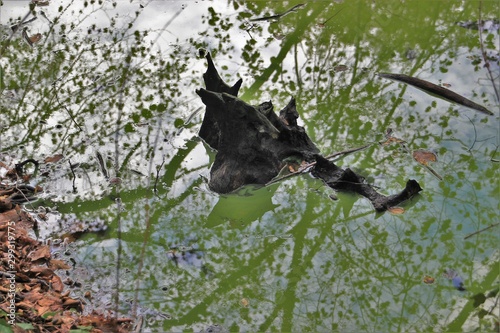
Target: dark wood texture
<point x="254" y="143"/>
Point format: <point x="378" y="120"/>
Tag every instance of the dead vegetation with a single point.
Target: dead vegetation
<point x="33" y="295"/>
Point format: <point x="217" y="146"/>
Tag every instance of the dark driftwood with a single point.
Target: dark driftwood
<point x="347" y="180"/>
<point x="253" y="142"/>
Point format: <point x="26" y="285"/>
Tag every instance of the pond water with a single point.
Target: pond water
<point x="111" y="87"/>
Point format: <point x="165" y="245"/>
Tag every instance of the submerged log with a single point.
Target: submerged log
<point x="347" y="180"/>
<point x="251" y="142"/>
<point x="254" y="143"/>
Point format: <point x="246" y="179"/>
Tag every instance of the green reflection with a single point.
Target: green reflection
<point x="301" y="261"/>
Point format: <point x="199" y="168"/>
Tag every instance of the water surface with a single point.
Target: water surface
<point x="119" y="81"/>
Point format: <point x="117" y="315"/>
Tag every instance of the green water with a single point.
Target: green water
<point x="286" y="257"/>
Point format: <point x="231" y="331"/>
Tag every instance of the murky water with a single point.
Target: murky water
<point x="118" y="82"/>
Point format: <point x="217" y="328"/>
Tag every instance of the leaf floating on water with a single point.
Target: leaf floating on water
<point x="333" y="197"/>
<point x="429" y="279"/>
<point x="53" y="159"/>
<point x="35" y="38"/>
<point x="396" y="210"/>
<point x="115" y="181"/>
<point x="391" y="140"/>
<point x="31" y="39"/>
<point x="424" y="156"/>
<point x="58" y="264"/>
<point x="436" y="90"/>
<point x="340" y="68"/>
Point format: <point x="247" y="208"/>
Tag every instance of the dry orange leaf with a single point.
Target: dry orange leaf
<point x="396" y="210"/>
<point x="424" y="156"/>
<point x="429" y="279"/>
<point x="41" y="252"/>
<point x="35" y="38"/>
<point x="42" y="310"/>
<point x="57" y="284"/>
<point x="41" y="271"/>
<point x="392" y="139"/>
<point x="48" y="300"/>
<point x="71" y="302"/>
<point x="53" y="159"/>
<point x="24" y="305"/>
<point x="33" y="296"/>
<point x="58" y="264"/>
<point x="31" y="39"/>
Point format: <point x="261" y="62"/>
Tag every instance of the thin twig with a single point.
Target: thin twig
<point x="493" y="159"/>
<point x="484" y="229"/>
<point x="475" y="133"/>
<point x="138" y="324"/>
<point x="493" y="306"/>
<point x="67" y="110"/>
<point x="307" y="167"/>
<point x="324" y="22"/>
<point x="102" y="165"/>
<point x="486" y="63"/>
<point x="7" y="41"/>
<point x="16" y="27"/>
<point x="431" y="170"/>
<point x="74" y="176"/>
<point x="348" y="151"/>
<point x="278" y="16"/>
<point x="155" y="189"/>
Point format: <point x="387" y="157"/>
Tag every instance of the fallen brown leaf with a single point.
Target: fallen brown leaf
<point x="53" y="159"/>
<point x="69" y="302"/>
<point x="42" y="252"/>
<point x="25" y="305"/>
<point x="396" y="210"/>
<point x="57" y="284"/>
<point x="429" y="279"/>
<point x="424" y="156"/>
<point x="391" y="140"/>
<point x="58" y="264"/>
<point x="33" y="296"/>
<point x="41" y="271"/>
<point x="48" y="301"/>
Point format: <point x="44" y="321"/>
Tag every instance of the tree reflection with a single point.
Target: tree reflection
<point x="302" y="262"/>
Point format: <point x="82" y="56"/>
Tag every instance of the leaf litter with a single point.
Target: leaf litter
<point x="33" y="297"/>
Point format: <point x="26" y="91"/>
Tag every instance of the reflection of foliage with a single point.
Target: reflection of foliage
<point x="81" y="92"/>
<point x="302" y="262"/>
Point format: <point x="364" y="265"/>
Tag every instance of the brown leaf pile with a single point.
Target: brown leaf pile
<point x="40" y="297"/>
